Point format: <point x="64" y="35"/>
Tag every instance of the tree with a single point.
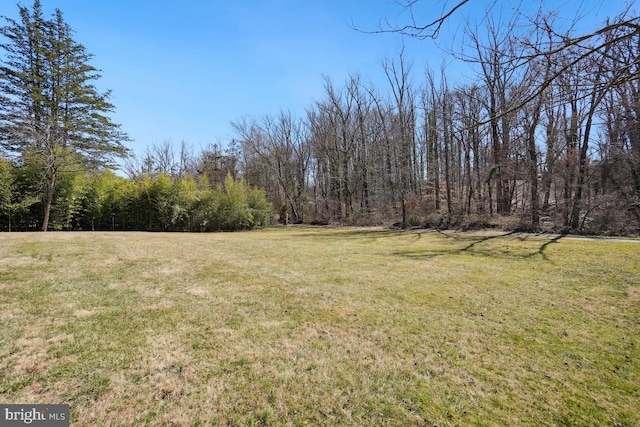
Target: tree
<point x="403" y="108"/>
<point x="278" y="148"/>
<point x="185" y="192"/>
<point x="6" y="186"/>
<point x="422" y="25"/>
<point x="15" y="200"/>
<point x="621" y="113"/>
<point x="49" y="108"/>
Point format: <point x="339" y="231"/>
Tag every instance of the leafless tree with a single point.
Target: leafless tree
<point x="275" y="153"/>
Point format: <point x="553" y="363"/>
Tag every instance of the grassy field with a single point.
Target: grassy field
<point x="308" y="326"/>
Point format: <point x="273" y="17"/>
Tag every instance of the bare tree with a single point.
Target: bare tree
<point x="517" y="139"/>
<point x="500" y="78"/>
<point x="425" y="21"/>
<point x="398" y="74"/>
<point x="276" y="154"/>
<point x="469" y="109"/>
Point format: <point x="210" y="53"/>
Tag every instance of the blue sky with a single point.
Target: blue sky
<point x="183" y="70"/>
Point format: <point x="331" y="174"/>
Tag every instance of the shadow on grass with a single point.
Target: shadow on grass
<point x="337" y="233"/>
<point x="475" y="247"/>
<point x="543" y="247"/>
<point x="471" y="244"/>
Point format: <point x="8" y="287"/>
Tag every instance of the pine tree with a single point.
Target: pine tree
<point x="50" y="111"/>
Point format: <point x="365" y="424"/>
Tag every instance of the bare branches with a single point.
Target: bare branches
<point x="430" y="30"/>
<point x="414" y="29"/>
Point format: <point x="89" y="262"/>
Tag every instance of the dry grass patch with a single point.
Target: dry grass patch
<point x="305" y="326"/>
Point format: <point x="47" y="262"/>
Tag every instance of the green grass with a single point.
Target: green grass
<point x="307" y="326"/>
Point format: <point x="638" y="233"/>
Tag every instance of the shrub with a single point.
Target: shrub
<point x="259" y="207"/>
<point x="232" y="207"/>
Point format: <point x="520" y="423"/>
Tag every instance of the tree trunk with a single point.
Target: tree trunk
<point x="582" y="164"/>
<point x="447" y="145"/>
<point x="533" y="173"/>
<point x="533" y="166"/>
<point x="549" y="167"/>
<point x="50" y="189"/>
<point x="596" y="98"/>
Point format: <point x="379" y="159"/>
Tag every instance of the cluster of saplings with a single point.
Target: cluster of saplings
<point x="106" y="201"/>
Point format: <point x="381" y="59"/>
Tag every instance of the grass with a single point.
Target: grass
<point x="307" y="326"/>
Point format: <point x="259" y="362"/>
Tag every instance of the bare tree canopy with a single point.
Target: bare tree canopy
<point x="521" y="27"/>
<point x="422" y="19"/>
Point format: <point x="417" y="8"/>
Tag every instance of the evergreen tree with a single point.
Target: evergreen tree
<point x="49" y="107"/>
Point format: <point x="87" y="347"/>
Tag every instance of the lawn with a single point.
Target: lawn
<point x="310" y="326"/>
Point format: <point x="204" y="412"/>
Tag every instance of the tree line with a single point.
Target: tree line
<point x="546" y="135"/>
<point x="90" y="200"/>
<point x="59" y="147"/>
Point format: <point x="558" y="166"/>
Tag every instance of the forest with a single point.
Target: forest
<point x="545" y="137"/>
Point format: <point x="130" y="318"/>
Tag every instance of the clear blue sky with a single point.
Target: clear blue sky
<point x="183" y="70"/>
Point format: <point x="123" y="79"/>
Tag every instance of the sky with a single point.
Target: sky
<point x="184" y="70"/>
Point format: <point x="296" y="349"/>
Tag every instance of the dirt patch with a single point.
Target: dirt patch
<point x="199" y="292"/>
<point x="34" y="355"/>
<point x="84" y="313"/>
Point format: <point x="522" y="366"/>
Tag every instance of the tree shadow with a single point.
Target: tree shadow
<point x="338" y="233"/>
<point x="471" y="244"/>
<point x="475" y="242"/>
<point x="543" y="247"/>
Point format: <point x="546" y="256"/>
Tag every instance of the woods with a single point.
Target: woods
<point x="545" y="134"/>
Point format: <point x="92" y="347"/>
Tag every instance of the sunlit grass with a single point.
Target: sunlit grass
<point x="307" y="326"/>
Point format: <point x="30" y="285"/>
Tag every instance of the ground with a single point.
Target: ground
<point x="315" y="326"/>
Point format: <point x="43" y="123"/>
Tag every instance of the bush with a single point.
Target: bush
<point x="232" y="207"/>
<point x="477" y="222"/>
<point x="259" y="207"/>
<point x="233" y="210"/>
